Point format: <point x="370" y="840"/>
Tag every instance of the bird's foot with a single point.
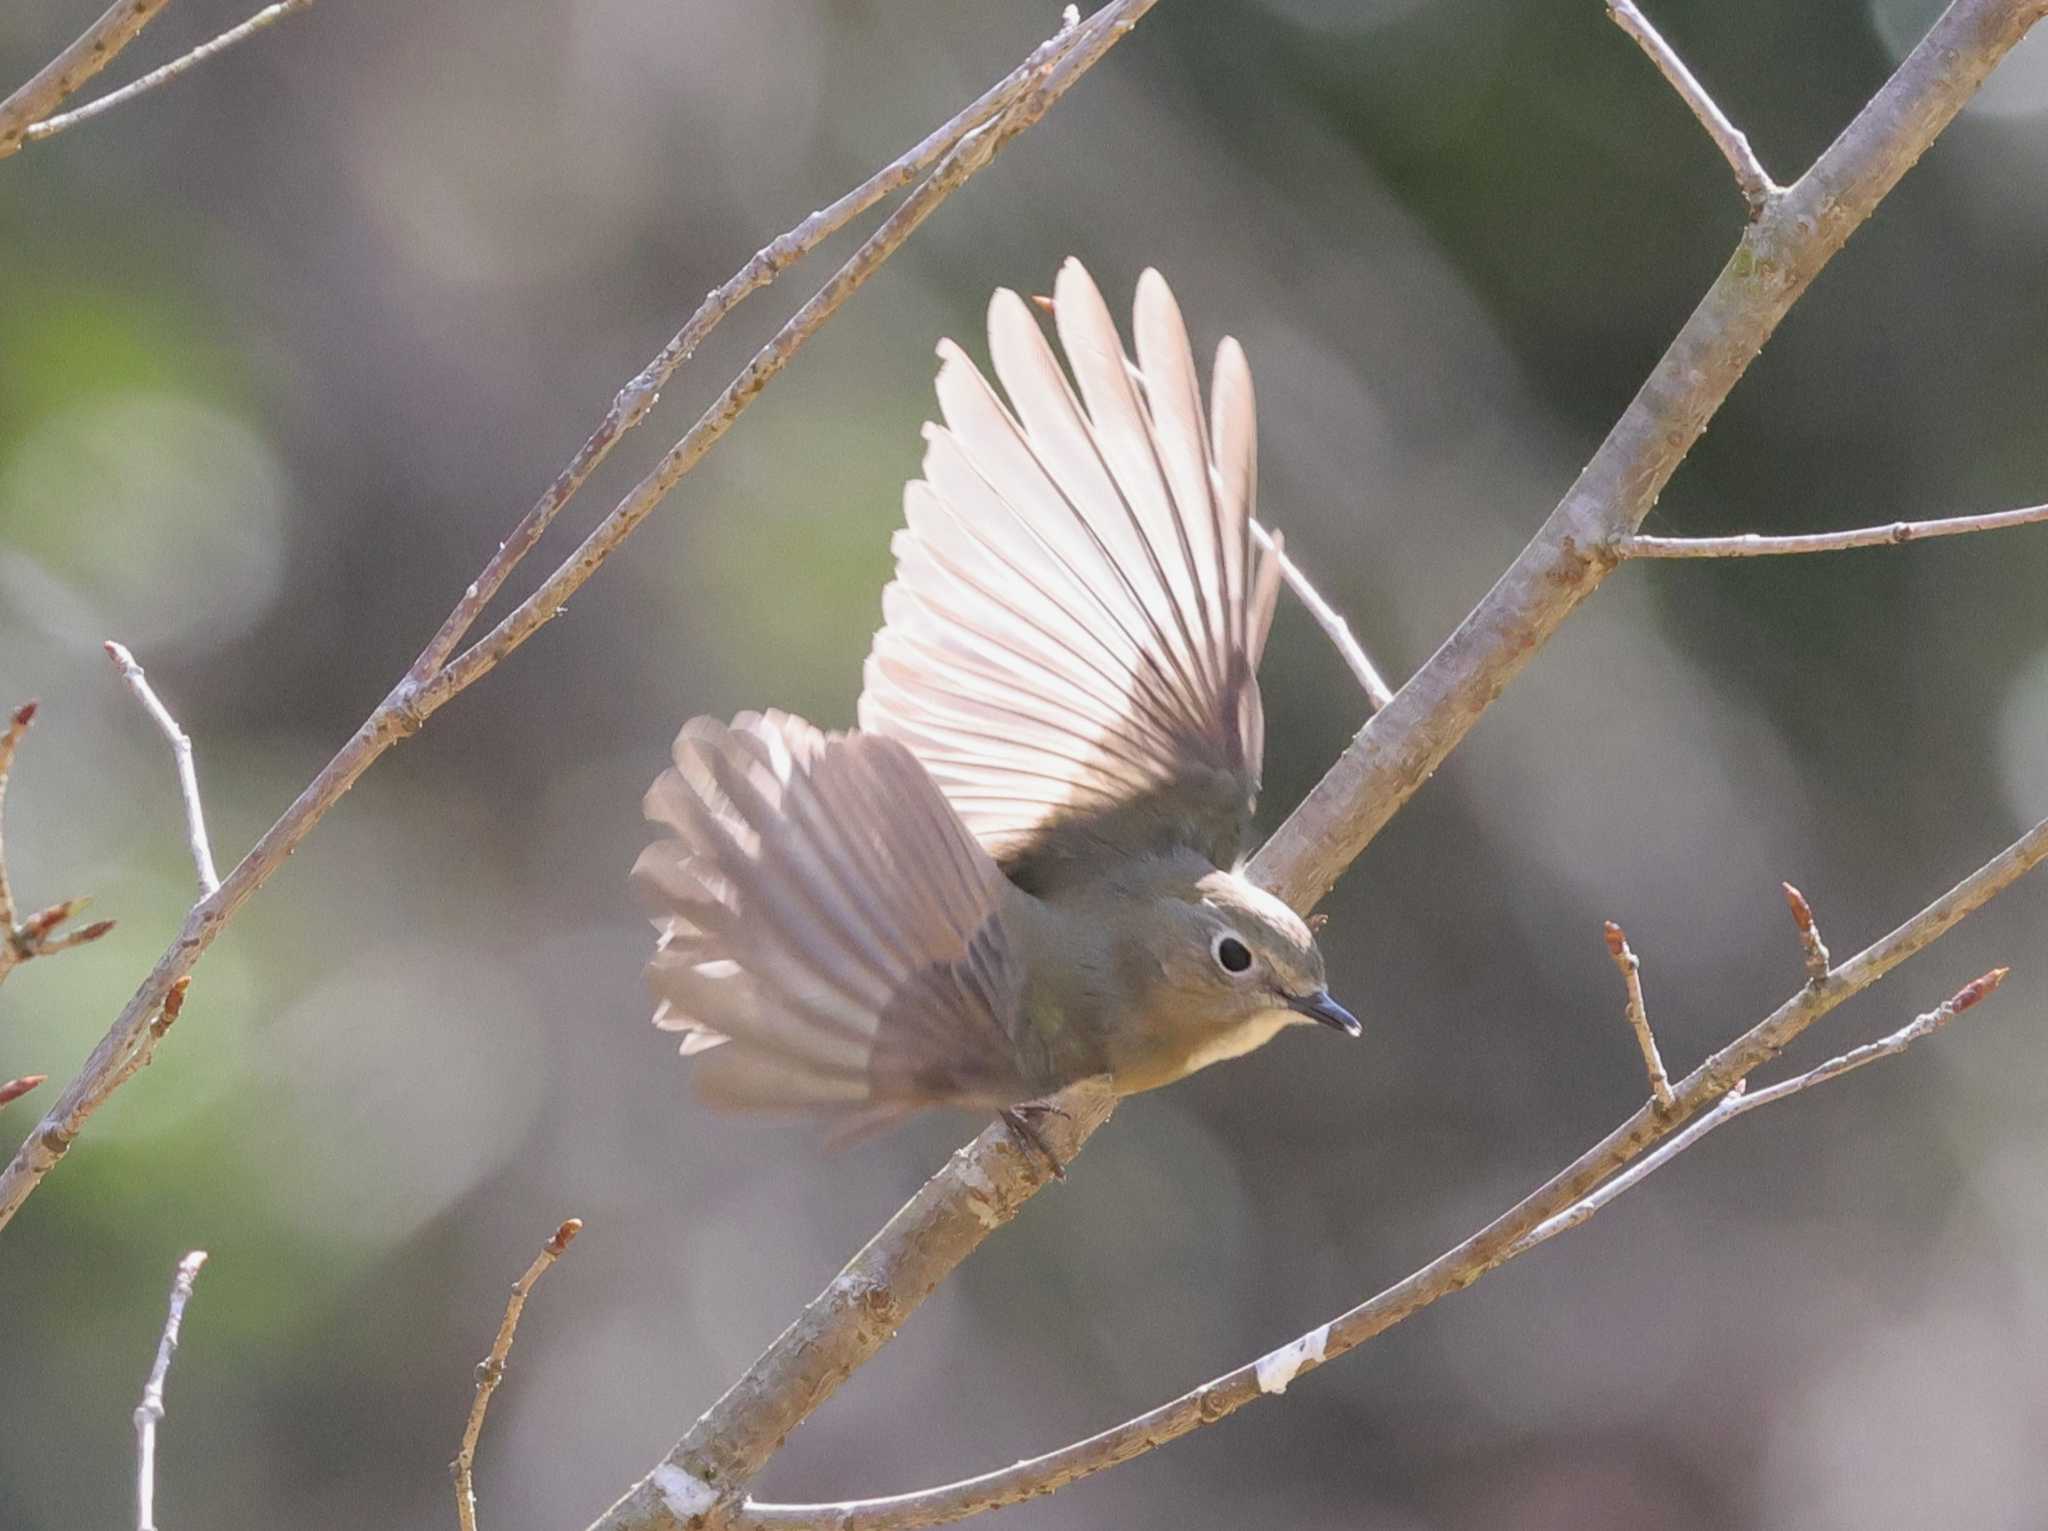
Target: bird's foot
<point x="1023" y="1120"/>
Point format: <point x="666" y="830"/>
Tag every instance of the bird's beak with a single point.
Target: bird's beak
<point x="1321" y="1008"/>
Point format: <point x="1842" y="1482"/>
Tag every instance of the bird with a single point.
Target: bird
<point x="1024" y="867"/>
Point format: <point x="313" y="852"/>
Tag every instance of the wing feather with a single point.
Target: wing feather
<point x="1070" y="642"/>
<point x="825" y="915"/>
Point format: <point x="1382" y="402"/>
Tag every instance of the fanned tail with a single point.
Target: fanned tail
<point x="829" y="934"/>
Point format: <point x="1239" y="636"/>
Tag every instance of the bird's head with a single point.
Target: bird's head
<point x="1222" y="965"/>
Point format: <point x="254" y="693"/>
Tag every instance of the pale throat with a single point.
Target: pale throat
<point x="1235" y="1041"/>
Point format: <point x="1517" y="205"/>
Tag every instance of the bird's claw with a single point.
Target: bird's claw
<point x="1023" y="1122"/>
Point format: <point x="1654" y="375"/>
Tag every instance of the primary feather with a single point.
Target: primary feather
<point x="1071" y="640"/>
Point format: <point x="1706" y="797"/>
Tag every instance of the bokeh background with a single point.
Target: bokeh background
<point x="284" y="349"/>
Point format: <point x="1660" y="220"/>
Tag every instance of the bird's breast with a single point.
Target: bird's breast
<point x="1176" y="1055"/>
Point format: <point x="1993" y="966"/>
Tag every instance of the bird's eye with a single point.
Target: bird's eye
<point x="1232" y="955"/>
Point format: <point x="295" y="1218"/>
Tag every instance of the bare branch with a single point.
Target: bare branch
<point x="37" y="935"/>
<point x="59" y="1128"/>
<point x="1330" y="620"/>
<point x="1083" y="46"/>
<point x="1757" y="187"/>
<point x="1810" y="943"/>
<point x="633" y="402"/>
<point x="1750" y="545"/>
<point x="425" y="688"/>
<point x="117" y="27"/>
<point x="50" y="127"/>
<point x="10" y="740"/>
<point x="151" y="1409"/>
<point x="1402" y="746"/>
<point x="37" y="941"/>
<point x="981" y="1188"/>
<point x="181" y="752"/>
<point x="1711" y="1085"/>
<point x="1580" y="544"/>
<point x="1638" y="1016"/>
<point x="1587" y="534"/>
<point x="1739" y="1100"/>
<point x="491" y="1370"/>
<point x="140" y="1056"/>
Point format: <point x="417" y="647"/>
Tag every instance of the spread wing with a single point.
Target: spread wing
<point x="824" y="914"/>
<point x="1071" y="639"/>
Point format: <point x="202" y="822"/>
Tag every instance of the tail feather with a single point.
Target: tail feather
<point x="822" y="911"/>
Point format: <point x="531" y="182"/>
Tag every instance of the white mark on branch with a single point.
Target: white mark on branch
<point x="1631" y="968"/>
<point x="181" y="753"/>
<point x="686" y="1496"/>
<point x="150" y="1412"/>
<point x="1869" y="162"/>
<point x="862" y="1307"/>
<point x="1400" y="749"/>
<point x="982" y="1196"/>
<point x="1713" y="1086"/>
<point x="1758" y="189"/>
<point x="1281" y="1366"/>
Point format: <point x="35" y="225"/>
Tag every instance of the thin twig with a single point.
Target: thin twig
<point x="1499" y="1241"/>
<point x="37" y="935"/>
<point x="1740" y="1100"/>
<point x="1585" y="537"/>
<point x="491" y="1370"/>
<point x="181" y="752"/>
<point x="1400" y="748"/>
<point x="1638" y="1015"/>
<point x="93" y="51"/>
<point x="60" y="1127"/>
<point x="982" y="1187"/>
<point x="1330" y="620"/>
<point x="1080" y="48"/>
<point x="1810" y="943"/>
<point x="34" y="934"/>
<point x="14" y="1089"/>
<point x="1750" y="545"/>
<point x="10" y="740"/>
<point x="1757" y="187"/>
<point x="151" y="1409"/>
<point x="50" y="127"/>
<point x="633" y="402"/>
<point x="412" y="700"/>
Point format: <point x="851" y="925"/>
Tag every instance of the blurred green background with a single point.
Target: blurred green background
<point x="286" y="348"/>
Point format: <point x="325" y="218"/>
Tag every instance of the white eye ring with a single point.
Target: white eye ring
<point x="1231" y="954"/>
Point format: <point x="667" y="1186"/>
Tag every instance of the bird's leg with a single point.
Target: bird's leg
<point x="1023" y="1119"/>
